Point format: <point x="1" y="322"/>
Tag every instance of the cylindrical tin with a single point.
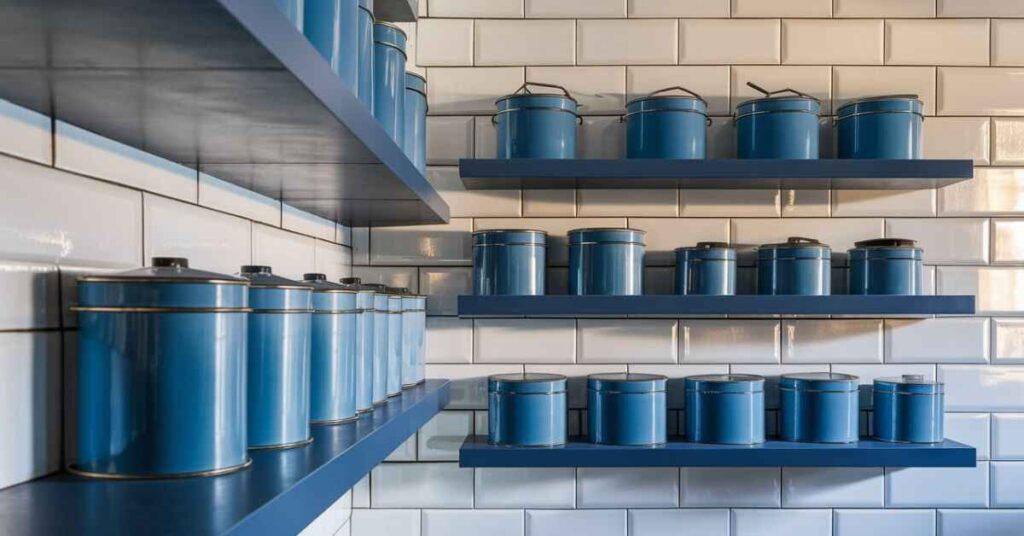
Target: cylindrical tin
<point x="414" y="311"/>
<point x="332" y="28"/>
<point x="333" y="359"/>
<point x="626" y="409"/>
<point x="880" y="127"/>
<point x="606" y="262"/>
<point x="775" y="126"/>
<point x="886" y="266"/>
<point x="293" y="10"/>
<point x="725" y="408"/>
<point x="799" y="265"/>
<point x="364" y="53"/>
<point x="381" y="307"/>
<point x="709" y="268"/>
<point x="161" y="372"/>
<point x="908" y="409"/>
<point x="509" y="262"/>
<point x="364" y="336"/>
<point x="278" y="367"/>
<point x="415" y="141"/>
<point x="389" y="79"/>
<point x="527" y="410"/>
<point x="396" y="340"/>
<point x="819" y="407"/>
<point x="536" y="125"/>
<point x="667" y="126"/>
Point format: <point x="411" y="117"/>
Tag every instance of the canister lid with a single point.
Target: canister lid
<point x="725" y="383"/>
<point x="709" y="251"/>
<point x="169" y="284"/>
<point x="909" y="384"/>
<point x="415" y="82"/>
<point x="262" y="276"/>
<point x="626" y="382"/>
<point x="526" y="383"/>
<point x="510" y="237"/>
<point x="356" y="284"/>
<point x="778" y="100"/>
<point x="795" y="246"/>
<point x="886" y="248"/>
<point x="820" y="381"/>
<point x="165" y="270"/>
<point x="902" y="102"/>
<point x="606" y="235"/>
<point x="552" y="90"/>
<point x="886" y="243"/>
<point x="319" y="283"/>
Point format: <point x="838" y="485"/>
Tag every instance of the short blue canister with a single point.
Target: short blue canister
<point x="886" y="266"/>
<point x="333" y="359"/>
<point x="725" y="408"/>
<point x="381" y="307"/>
<point x="415" y="140"/>
<point x="709" y="269"/>
<point x="414" y="316"/>
<point x="536" y="125"/>
<point x="396" y="339"/>
<point x="332" y="27"/>
<point x="782" y="124"/>
<point x="626" y="409"/>
<point x="293" y="10"/>
<point x="606" y="261"/>
<point x="908" y="409"/>
<point x="364" y="53"/>
<point x="161" y="372"/>
<point x="389" y="79"/>
<point x="819" y="407"/>
<point x="364" y="341"/>
<point x="278" y="366"/>
<point x="509" y="262"/>
<point x="660" y="125"/>
<point x="801" y="266"/>
<point x="880" y="127"/>
<point x="527" y="410"/>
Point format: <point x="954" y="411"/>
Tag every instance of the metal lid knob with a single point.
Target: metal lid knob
<point x="254" y="269"/>
<point x="351" y="280"/>
<point x="170" y="262"/>
<point x="314" y="277"/>
<point x="913" y="377"/>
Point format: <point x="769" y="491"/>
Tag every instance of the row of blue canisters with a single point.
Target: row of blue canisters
<point x="180" y="371"/>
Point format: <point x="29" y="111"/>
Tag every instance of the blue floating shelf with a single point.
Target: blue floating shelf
<point x="281" y="493"/>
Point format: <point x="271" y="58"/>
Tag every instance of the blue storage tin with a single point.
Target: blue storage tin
<point x="886" y="266"/>
<point x="414" y="331"/>
<point x="782" y="124"/>
<point x="396" y="340"/>
<point x="606" y="262"/>
<point x="332" y="26"/>
<point x="626" y="409"/>
<point x="819" y="407"/>
<point x="536" y="125"/>
<point x="364" y="341"/>
<point x="364" y="53"/>
<point x="389" y="79"/>
<point x="526" y="410"/>
<point x="880" y="127"/>
<point x="161" y="372"/>
<point x="725" y="408"/>
<point x="278" y="367"/>
<point x="667" y="126"/>
<point x="381" y="307"/>
<point x="415" y="140"/>
<point x="293" y="10"/>
<point x="709" y="268"/>
<point x="801" y="266"/>
<point x="509" y="262"/>
<point x="908" y="409"/>
<point x="333" y="368"/>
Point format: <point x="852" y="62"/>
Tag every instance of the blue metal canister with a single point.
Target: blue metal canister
<point x="396" y="339"/>
<point x="606" y="262"/>
<point x="709" y="268"/>
<point x="365" y="53"/>
<point x="414" y="331"/>
<point x="886" y="266"/>
<point x="777" y="126"/>
<point x="389" y="79"/>
<point x="536" y="125"/>
<point x="293" y="10"/>
<point x="799" y="265"/>
<point x="161" y="372"/>
<point x="279" y="359"/>
<point x="332" y="27"/>
<point x="667" y="126"/>
<point x="527" y="410"/>
<point x="908" y="409"/>
<point x="880" y="127"/>
<point x="626" y="409"/>
<point x="364" y="337"/>
<point x="509" y="262"/>
<point x="333" y="359"/>
<point x="415" y="140"/>
<point x="819" y="407"/>
<point x="725" y="408"/>
<point x="381" y="307"/>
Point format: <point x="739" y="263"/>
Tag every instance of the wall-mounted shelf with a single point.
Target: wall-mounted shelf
<point x="396" y="10"/>
<point x="493" y="174"/>
<point x="281" y="493"/>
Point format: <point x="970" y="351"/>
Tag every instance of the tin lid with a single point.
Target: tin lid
<point x="908" y="98"/>
<point x="169" y="284"/>
<point x="820" y="381"/>
<point x="725" y="383"/>
<point x="356" y="284"/>
<point x="708" y="251"/>
<point x="261" y="276"/>
<point x="165" y="270"/>
<point x="526" y="383"/>
<point x="524" y="91"/>
<point x="886" y="243"/>
<point x="627" y="382"/>
<point x="510" y="237"/>
<point x="415" y="82"/>
<point x="796" y="246"/>
<point x="908" y="384"/>
<point x="780" y="96"/>
<point x="319" y="283"/>
<point x="661" y="94"/>
<point x="607" y="234"/>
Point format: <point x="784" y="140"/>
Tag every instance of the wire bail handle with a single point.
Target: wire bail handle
<point x="784" y="90"/>
<point x="525" y="90"/>
<point x="707" y="119"/>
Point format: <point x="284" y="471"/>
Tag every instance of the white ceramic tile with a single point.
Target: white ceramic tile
<point x="666" y="234"/>
<point x="762" y="522"/>
<point x="1008" y="436"/>
<point x="596" y="203"/>
<point x="421" y="485"/>
<point x="598" y="89"/>
<point x="974" y="522"/>
<point x="867" y="374"/>
<point x="449" y="340"/>
<point x="524" y="42"/>
<point x="444" y="42"/>
<point x="289" y="254"/>
<point x="1007" y="43"/>
<point x="979" y="8"/>
<point x="832" y="341"/>
<point x="472" y="523"/>
<point x="361" y="493"/>
<point x="957" y="137"/>
<point x="1008" y="340"/>
<point x="360" y="246"/>
<point x="937" y="42"/>
<point x="449" y="138"/>
<point x="557" y="229"/>
<point x="406" y="452"/>
<point x="729" y="341"/>
<point x="840" y="234"/>
<point x="993" y="191"/>
<point x="945" y="241"/>
<point x="385" y="521"/>
<point x="626" y="341"/>
<point x="525" y="487"/>
<point x="1007" y="141"/>
<point x="30" y="405"/>
<point x="813" y="80"/>
<point x="884" y="8"/>
<point x="562" y="522"/>
<point x="815" y="487"/>
<point x="549" y="203"/>
<point x="308" y="224"/>
<point x="771" y="374"/>
<point x="441" y="437"/>
<point x="411" y="48"/>
<point x="392" y="276"/>
<point x="499" y="340"/>
<point x="677" y="8"/>
<point x="463" y="203"/>
<point x="730" y="487"/>
<point x="1007" y="241"/>
<point x="442" y="286"/>
<point x="470" y="90"/>
<point x="25" y="133"/>
<point x="817" y="42"/>
<point x="699" y="203"/>
<point x="210" y="240"/>
<point x="709" y="81"/>
<point x="931" y="487"/>
<point x="854" y="82"/>
<point x="725" y="41"/>
<point x="805" y="203"/>
<point x="602" y="136"/>
<point x="997" y="290"/>
<point x="706" y="522"/>
<point x="626" y="42"/>
<point x="331" y="520"/>
<point x="859" y="522"/>
<point x="32" y="294"/>
<point x="937" y="340"/>
<point x="469" y="382"/>
<point x="861" y="203"/>
<point x="981" y="91"/>
<point x="439" y="244"/>
<point x="675" y="375"/>
<point x="226" y="197"/>
<point x="577" y="375"/>
<point x="485" y="137"/>
<point x="541" y="9"/>
<point x="971" y="429"/>
<point x="721" y="138"/>
<point x="476" y="8"/>
<point x="983" y="388"/>
<point x="630" y="487"/>
<point x="782" y="8"/>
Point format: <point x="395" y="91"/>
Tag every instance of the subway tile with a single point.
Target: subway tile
<point x="974" y="522"/>
<point x="981" y="91"/>
<point x="979" y="8"/>
<point x="549" y="203"/>
<point x="813" y="80"/>
<point x="439" y="244"/>
<point x="971" y="429"/>
<point x="1007" y="340"/>
<point x="469" y="382"/>
<point x="499" y="340"/>
<point x="771" y="374"/>
<point x="421" y="485"/>
<point x="472" y="523"/>
<point x="677" y="8"/>
<point x="485" y="137"/>
<point x="385" y="521"/>
<point x="957" y="137"/>
<point x="463" y="203"/>
<point x="360" y="246"/>
<point x="805" y="203"/>
<point x="1007" y="42"/>
<point x="832" y="341"/>
<point x="849" y="487"/>
<point x="840" y="234"/>
<point x="289" y="254"/>
<point x="524" y="42"/>
<point x="476" y="8"/>
<point x="998" y="291"/>
<point x="444" y="42"/>
<point x="700" y="203"/>
<point x="595" y="203"/>
<point x="449" y="340"/>
<point x="855" y="82"/>
<point x="602" y="136"/>
<point x="729" y="41"/>
<point x="561" y="522"/>
<point x="175" y="229"/>
<point x="470" y="90"/>
<point x="557" y="229"/>
<point x="942" y="487"/>
<point x="818" y="41"/>
<point x="308" y="224"/>
<point x="406" y="452"/>
<point x="709" y="81"/>
<point x="25" y="133"/>
<point x="706" y="522"/>
<point x="721" y="141"/>
<point x="442" y="286"/>
<point x="937" y="340"/>
<point x="945" y="241"/>
<point x="233" y="199"/>
<point x="1007" y="436"/>
<point x="577" y="376"/>
<point x="599" y="89"/>
<point x="862" y="522"/>
<point x="664" y="235"/>
<point x="626" y="341"/>
<point x="937" y="42"/>
<point x="361" y="493"/>
<point x="983" y="387"/>
<point x="525" y="487"/>
<point x="626" y="42"/>
<point x="861" y="203"/>
<point x="449" y="138"/>
<point x="343" y="234"/>
<point x="572" y="9"/>
<point x="629" y="487"/>
<point x="782" y="8"/>
<point x="333" y="260"/>
<point x="441" y="437"/>
<point x="884" y="8"/>
<point x="866" y="374"/>
<point x="993" y="191"/>
<point x="32" y="296"/>
<point x="676" y="374"/>
<point x="392" y="276"/>
<point x="730" y="487"/>
<point x="798" y="522"/>
<point x="729" y="341"/>
<point x="30" y="405"/>
<point x="659" y="280"/>
<point x="1007" y="141"/>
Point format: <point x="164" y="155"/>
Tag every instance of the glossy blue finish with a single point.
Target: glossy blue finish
<point x="396" y="342"/>
<point x="415" y="140"/>
<point x="293" y="10"/>
<point x="381" y="306"/>
<point x="414" y="330"/>
<point x="365" y="53"/>
<point x="800" y="266"/>
<point x="333" y="365"/>
<point x="819" y="407"/>
<point x="509" y="262"/>
<point x="626" y="409"/>
<point x="725" y="408"/>
<point x="666" y="126"/>
<point x="389" y="79"/>
<point x="527" y="410"/>
<point x="606" y="262"/>
<point x="777" y="127"/>
<point x="908" y="409"/>
<point x="709" y="268"/>
<point x="332" y="27"/>
<point x="880" y="127"/>
<point x="886" y="266"/>
<point x="536" y="125"/>
<point x="365" y="338"/>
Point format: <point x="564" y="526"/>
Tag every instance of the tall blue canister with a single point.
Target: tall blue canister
<point x="279" y="359"/>
<point x="880" y="127"/>
<point x="799" y="265"/>
<point x="626" y="409"/>
<point x="527" y="409"/>
<point x="606" y="261"/>
<point x="725" y="408"/>
<point x="381" y="307"/>
<point x="364" y="336"/>
<point x="161" y="372"/>
<point x="332" y="27"/>
<point x="414" y="330"/>
<point x="389" y="79"/>
<point x="396" y="340"/>
<point x="782" y="124"/>
<point x="415" y="140"/>
<point x="509" y="262"/>
<point x="333" y="359"/>
<point x="908" y="409"/>
<point x="886" y="266"/>
<point x="660" y="125"/>
<point x="536" y="125"/>
<point x="709" y="268"/>
<point x="293" y="10"/>
<point x="819" y="407"/>
<point x="364" y="53"/>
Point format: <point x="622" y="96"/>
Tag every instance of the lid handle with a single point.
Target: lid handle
<point x="780" y="91"/>
<point x="886" y="242"/>
<point x="351" y="280"/>
<point x="711" y="245"/>
<point x="170" y="262"/>
<point x="254" y="269"/>
<point x="801" y="240"/>
<point x="677" y="88"/>
<point x="913" y="377"/>
<point x="314" y="277"/>
<point x="525" y="88"/>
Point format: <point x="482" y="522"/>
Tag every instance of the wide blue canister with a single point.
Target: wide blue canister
<point x="293" y="10"/>
<point x="667" y="126"/>
<point x="332" y="26"/>
<point x="782" y="124"/>
<point x="396" y="338"/>
<point x="161" y="372"/>
<point x="333" y="359"/>
<point x="364" y="53"/>
<point x="626" y="409"/>
<point x="415" y="140"/>
<point x="725" y="408"/>
<point x="709" y="268"/>
<point x="819" y="407"/>
<point x="509" y="262"/>
<point x="526" y="409"/>
<point x="880" y="127"/>
<point x="799" y="265"/>
<point x="389" y="79"/>
<point x="381" y="307"/>
<point x="908" y="409"/>
<point x="364" y="342"/>
<point x="886" y="266"/>
<point x="414" y="331"/>
<point x="536" y="125"/>
<point x="606" y="262"/>
<point x="279" y="359"/>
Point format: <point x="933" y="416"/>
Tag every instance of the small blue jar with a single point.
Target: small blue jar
<point x="509" y="262"/>
<point x="908" y="409"/>
<point x="364" y="53"/>
<point x="880" y="127"/>
<point x="364" y="341"/>
<point x="414" y="330"/>
<point x="886" y="266"/>
<point x="605" y="261"/>
<point x="799" y="266"/>
<point x="396" y="340"/>
<point x="293" y="10"/>
<point x="332" y="27"/>
<point x="667" y="126"/>
<point x="415" y="140"/>
<point x="333" y="366"/>
<point x="626" y="409"/>
<point x="708" y="269"/>
<point x="536" y="125"/>
<point x="725" y="409"/>
<point x="778" y="125"/>
<point x="819" y="407"/>
<point x="381" y="308"/>
<point x="526" y="410"/>
<point x="389" y="79"/>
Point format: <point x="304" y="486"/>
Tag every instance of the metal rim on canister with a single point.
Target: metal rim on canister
<point x="74" y="469"/>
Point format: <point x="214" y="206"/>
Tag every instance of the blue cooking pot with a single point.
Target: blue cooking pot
<point x="709" y="268"/>
<point x="908" y="409"/>
<point x="799" y="265"/>
<point x="667" y="126"/>
<point x="389" y="79"/>
<point x="509" y="262"/>
<point x="819" y="407"/>
<point x="880" y="127"/>
<point x="606" y="261"/>
<point x="778" y="125"/>
<point x="527" y="410"/>
<point x="886" y="266"/>
<point x="626" y="409"/>
<point x="536" y="125"/>
<point x="725" y="408"/>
